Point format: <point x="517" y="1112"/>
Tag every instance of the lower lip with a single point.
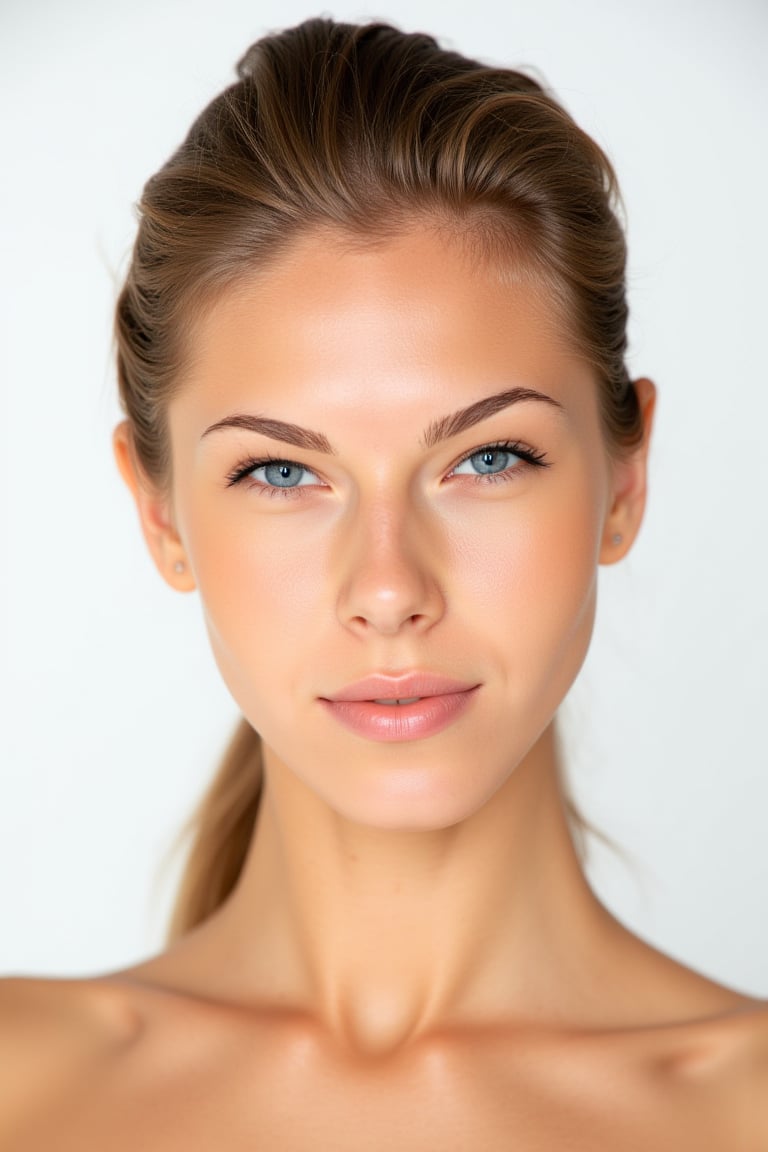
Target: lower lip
<point x="392" y="722"/>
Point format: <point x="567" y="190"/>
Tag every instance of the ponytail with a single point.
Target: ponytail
<point x="221" y="829"/>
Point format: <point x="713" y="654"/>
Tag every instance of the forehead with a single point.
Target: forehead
<point x="413" y="317"/>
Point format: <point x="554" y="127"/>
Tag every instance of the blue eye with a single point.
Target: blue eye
<point x="283" y="474"/>
<point x="497" y="462"/>
<point x="277" y="477"/>
<point x="489" y="460"/>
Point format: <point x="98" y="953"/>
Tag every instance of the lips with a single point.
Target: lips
<point x="410" y="706"/>
<point x="403" y="688"/>
<point x="394" y="722"/>
<point x="409" y="700"/>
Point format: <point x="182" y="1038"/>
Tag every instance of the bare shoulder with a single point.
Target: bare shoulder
<point x="722" y="1062"/>
<point x="739" y="1048"/>
<point x="69" y="1011"/>
<point x="739" y="1058"/>
<point x="733" y="1044"/>
<point x="52" y="1031"/>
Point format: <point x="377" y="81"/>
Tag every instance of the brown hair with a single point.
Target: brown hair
<point x="365" y="129"/>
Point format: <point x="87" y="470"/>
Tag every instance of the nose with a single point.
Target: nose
<point x="389" y="578"/>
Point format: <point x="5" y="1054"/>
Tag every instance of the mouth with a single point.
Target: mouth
<point x="399" y="718"/>
<point x="400" y="689"/>
<point x="407" y="700"/>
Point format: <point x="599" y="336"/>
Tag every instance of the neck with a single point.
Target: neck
<point x="384" y="935"/>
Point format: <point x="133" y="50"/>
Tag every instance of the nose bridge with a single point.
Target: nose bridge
<point x="387" y="563"/>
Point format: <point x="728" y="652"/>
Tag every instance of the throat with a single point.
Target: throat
<point x="385" y="935"/>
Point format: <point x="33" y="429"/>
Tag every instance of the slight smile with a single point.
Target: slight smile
<point x="391" y="709"/>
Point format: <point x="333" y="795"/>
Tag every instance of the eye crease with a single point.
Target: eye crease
<point x="277" y="469"/>
<point x="524" y="455"/>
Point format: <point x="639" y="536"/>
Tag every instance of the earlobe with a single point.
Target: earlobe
<point x="630" y="475"/>
<point x="153" y="506"/>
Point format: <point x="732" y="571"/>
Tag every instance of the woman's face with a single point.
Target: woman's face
<point x="391" y="540"/>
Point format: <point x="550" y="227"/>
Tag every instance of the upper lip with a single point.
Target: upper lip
<point x="382" y="687"/>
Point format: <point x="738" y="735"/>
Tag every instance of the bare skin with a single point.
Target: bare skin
<point x="412" y="958"/>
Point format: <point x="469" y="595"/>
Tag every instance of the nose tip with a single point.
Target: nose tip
<point x="389" y="584"/>
<point x="389" y="619"/>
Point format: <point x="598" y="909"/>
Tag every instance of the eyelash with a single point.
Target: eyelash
<point x="528" y="457"/>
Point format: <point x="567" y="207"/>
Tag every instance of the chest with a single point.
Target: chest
<point x="231" y="1096"/>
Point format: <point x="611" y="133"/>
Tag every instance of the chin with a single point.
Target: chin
<point x="414" y="799"/>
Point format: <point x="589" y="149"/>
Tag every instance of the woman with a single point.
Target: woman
<point x="371" y="353"/>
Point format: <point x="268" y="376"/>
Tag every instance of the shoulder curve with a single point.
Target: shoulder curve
<point x="751" y="1025"/>
<point x="44" y="1003"/>
<point x="51" y="1032"/>
<point x="750" y="1075"/>
<point x="730" y="1055"/>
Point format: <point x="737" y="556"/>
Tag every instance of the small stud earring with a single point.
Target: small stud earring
<point x="179" y="566"/>
<point x="617" y="538"/>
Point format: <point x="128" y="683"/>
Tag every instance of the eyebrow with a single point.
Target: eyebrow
<point x="437" y="431"/>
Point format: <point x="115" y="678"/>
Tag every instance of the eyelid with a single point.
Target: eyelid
<point x="241" y="471"/>
<point x="525" y="452"/>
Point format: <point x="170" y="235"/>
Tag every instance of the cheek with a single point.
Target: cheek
<point x="530" y="585"/>
<point x="261" y="582"/>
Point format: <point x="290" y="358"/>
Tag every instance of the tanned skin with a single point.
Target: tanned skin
<point x="412" y="958"/>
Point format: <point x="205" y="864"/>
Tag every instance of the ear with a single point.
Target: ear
<point x="155" y="514"/>
<point x="630" y="473"/>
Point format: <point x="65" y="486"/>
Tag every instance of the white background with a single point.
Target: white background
<point x="113" y="713"/>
